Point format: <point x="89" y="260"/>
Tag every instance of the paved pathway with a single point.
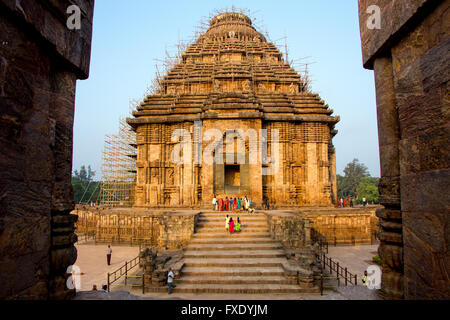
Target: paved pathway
<point x="92" y="262"/>
<point x="355" y="258"/>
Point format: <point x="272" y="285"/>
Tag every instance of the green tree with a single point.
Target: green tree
<point x="368" y="188"/>
<point x="85" y="189"/>
<point x="348" y="184"/>
<point x="83" y="174"/>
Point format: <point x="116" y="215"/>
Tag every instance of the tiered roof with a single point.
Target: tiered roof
<point x="232" y="71"/>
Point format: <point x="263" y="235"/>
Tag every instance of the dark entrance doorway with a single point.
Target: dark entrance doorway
<point x="232" y="176"/>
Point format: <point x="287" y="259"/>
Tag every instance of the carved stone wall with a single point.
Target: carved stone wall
<point x="410" y="57"/>
<point x="345" y="227"/>
<point x="156" y="229"/>
<point x="40" y="61"/>
<point x="291" y="229"/>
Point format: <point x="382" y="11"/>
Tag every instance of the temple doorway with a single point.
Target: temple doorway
<point x="232" y="176"/>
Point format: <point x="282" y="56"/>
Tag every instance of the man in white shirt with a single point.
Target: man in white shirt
<point x="170" y="277"/>
<point x="214" y="202"/>
<point x="108" y="255"/>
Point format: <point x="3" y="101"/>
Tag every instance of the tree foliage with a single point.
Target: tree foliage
<point x="357" y="183"/>
<point x="85" y="189"/>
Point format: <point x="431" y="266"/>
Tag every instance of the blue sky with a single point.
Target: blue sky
<point x="129" y="35"/>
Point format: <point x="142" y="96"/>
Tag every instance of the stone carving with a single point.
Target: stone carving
<point x="217" y="85"/>
<point x="293" y="89"/>
<point x="247" y="86"/>
<point x="261" y="88"/>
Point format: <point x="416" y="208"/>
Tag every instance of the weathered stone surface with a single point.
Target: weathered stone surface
<point x="341" y="226"/>
<point x="40" y="60"/>
<point x="155" y="228"/>
<point x="410" y="56"/>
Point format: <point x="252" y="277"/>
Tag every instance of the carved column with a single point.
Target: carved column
<point x="390" y="231"/>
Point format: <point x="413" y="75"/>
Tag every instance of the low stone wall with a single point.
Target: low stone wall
<point x="345" y="226"/>
<point x="291" y="229"/>
<point x="164" y="230"/>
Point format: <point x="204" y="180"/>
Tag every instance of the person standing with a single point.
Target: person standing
<point x="226" y="204"/>
<point x="214" y="202"/>
<point x="238" y="225"/>
<point x="267" y="203"/>
<point x="234" y="204"/>
<point x="238" y="204"/>
<point x="170" y="277"/>
<point x="364" y="202"/>
<point x="231" y="228"/>
<point x="231" y="204"/>
<point x="227" y="223"/>
<point x="364" y="279"/>
<point x="108" y="255"/>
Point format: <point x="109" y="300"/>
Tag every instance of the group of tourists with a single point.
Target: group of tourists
<point x="346" y="202"/>
<point x="231" y="204"/>
<point x="349" y="202"/>
<point x="232" y="226"/>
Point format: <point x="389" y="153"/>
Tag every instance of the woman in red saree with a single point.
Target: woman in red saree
<point x="231" y="224"/>
<point x="220" y="204"/>
<point x="227" y="203"/>
<point x="234" y="204"/>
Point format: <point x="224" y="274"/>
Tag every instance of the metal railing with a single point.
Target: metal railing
<point x="122" y="272"/>
<point x="334" y="267"/>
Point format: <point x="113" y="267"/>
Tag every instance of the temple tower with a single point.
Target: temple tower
<point x="232" y="98"/>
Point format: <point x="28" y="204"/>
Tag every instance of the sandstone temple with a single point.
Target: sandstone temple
<point x="233" y="81"/>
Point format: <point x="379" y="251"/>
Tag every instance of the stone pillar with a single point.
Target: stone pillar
<point x="333" y="177"/>
<point x="390" y="232"/>
<point x="63" y="252"/>
<point x="312" y="181"/>
<point x="40" y="61"/>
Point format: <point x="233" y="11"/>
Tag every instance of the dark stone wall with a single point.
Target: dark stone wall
<point x="40" y="61"/>
<point x="410" y="55"/>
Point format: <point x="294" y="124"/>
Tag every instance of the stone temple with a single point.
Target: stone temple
<point x="234" y="83"/>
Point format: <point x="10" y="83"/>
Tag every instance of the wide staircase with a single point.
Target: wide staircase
<point x="249" y="262"/>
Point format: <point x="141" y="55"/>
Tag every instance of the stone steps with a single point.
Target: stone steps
<point x="246" y="224"/>
<point x="214" y="271"/>
<point x="237" y="279"/>
<point x="250" y="262"/>
<point x="232" y="214"/>
<point x="223" y="217"/>
<point x="224" y="234"/>
<point x="205" y="254"/>
<point x="233" y="246"/>
<point x="236" y="288"/>
<point x="222" y="230"/>
<point x="228" y="262"/>
<point x="236" y="241"/>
